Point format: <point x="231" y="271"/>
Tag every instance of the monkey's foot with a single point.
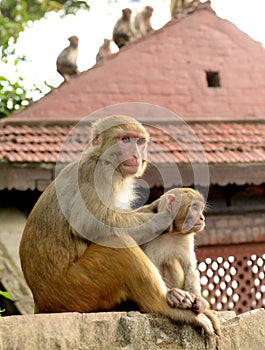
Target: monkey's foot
<point x="206" y="324"/>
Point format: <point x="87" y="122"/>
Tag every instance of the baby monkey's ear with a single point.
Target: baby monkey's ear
<point x="168" y="201"/>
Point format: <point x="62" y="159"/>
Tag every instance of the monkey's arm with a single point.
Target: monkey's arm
<point x="173" y="276"/>
<point x="96" y="222"/>
<point x="145" y="226"/>
<point x="94" y="219"/>
<point x="192" y="275"/>
<point x="200" y="305"/>
<point x="150" y="208"/>
<point x="185" y="291"/>
<point x="192" y="284"/>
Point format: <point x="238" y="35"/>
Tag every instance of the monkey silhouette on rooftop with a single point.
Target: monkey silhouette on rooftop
<point x="142" y="23"/>
<point x="123" y="32"/>
<point x="104" y="50"/>
<point x="179" y="6"/>
<point x="66" y="61"/>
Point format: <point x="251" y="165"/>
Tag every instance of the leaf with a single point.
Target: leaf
<point x="6" y="295"/>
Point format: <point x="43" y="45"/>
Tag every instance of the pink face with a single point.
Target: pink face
<point x="195" y="220"/>
<point x="196" y="211"/>
<point x="131" y="148"/>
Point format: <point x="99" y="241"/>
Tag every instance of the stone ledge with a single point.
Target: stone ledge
<point x="128" y="331"/>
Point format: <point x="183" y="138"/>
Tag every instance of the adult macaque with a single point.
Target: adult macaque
<point x="104" y="50"/>
<point x="66" y="61"/>
<point x="178" y="6"/>
<point x="174" y="256"/>
<point x="123" y="31"/>
<point x="142" y="22"/>
<point x="65" y="270"/>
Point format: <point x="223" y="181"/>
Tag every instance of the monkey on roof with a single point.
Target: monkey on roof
<point x="104" y="50"/>
<point x="66" y="61"/>
<point x="123" y="31"/>
<point x="142" y="22"/>
<point x="179" y="6"/>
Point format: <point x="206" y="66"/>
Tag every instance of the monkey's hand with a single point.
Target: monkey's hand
<point x="199" y="304"/>
<point x="165" y="211"/>
<point x="180" y="298"/>
<point x="165" y="203"/>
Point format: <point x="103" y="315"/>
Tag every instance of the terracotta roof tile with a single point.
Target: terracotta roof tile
<point x="219" y="142"/>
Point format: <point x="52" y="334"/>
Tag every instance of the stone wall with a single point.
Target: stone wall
<point x="127" y="331"/>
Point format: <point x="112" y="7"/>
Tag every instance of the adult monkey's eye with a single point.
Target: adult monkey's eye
<point x="141" y="141"/>
<point x="125" y="139"/>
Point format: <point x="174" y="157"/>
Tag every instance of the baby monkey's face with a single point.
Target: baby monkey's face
<point x="191" y="219"/>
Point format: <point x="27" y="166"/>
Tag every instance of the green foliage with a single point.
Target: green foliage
<point x="15" y="15"/>
<point x="5" y="295"/>
<point x="13" y="96"/>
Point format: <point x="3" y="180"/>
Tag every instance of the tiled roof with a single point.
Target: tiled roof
<point x="219" y="142"/>
<point x="169" y="68"/>
<point x="166" y="69"/>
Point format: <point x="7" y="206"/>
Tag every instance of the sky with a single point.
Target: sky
<point x="43" y="40"/>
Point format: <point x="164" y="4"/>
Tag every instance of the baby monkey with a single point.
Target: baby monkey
<point x="173" y="251"/>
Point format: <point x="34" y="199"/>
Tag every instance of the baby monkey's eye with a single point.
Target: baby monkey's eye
<point x="195" y="206"/>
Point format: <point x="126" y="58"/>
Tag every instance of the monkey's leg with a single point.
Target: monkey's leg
<point x="214" y="320"/>
<point x="104" y="277"/>
<point x="123" y="274"/>
<point x="146" y="287"/>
